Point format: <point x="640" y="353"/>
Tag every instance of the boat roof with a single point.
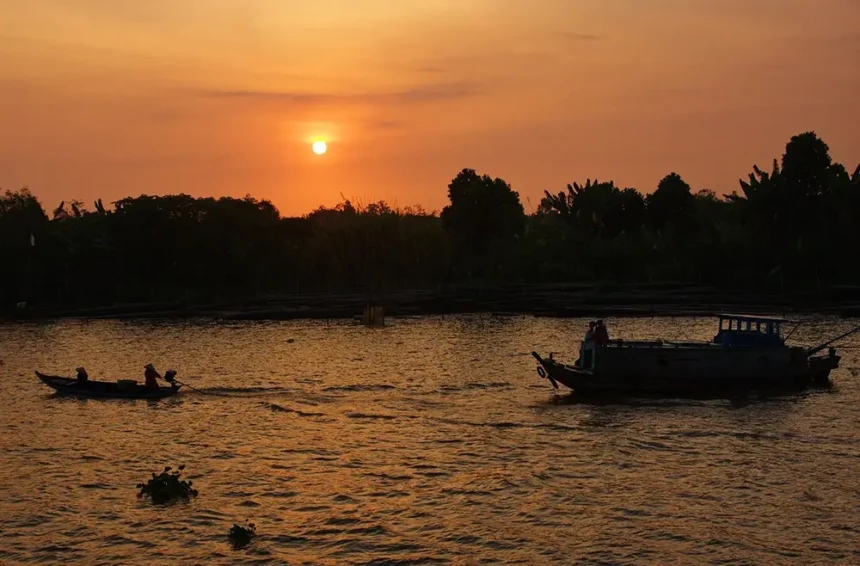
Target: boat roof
<point x="751" y="318"/>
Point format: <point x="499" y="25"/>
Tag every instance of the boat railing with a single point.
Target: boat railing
<point x="634" y="344"/>
<point x="650" y="344"/>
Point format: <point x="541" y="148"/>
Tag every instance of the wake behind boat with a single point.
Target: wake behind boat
<point x="120" y="389"/>
<point x="747" y="353"/>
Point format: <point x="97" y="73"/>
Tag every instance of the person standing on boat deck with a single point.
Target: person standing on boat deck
<point x="151" y="376"/>
<point x="588" y="346"/>
<point x="83" y="378"/>
<point x="601" y="335"/>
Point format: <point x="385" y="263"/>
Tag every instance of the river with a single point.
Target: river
<point x="429" y="441"/>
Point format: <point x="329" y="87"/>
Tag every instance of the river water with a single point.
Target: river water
<point x="429" y="441"/>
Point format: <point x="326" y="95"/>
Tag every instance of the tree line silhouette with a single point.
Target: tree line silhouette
<point x="793" y="226"/>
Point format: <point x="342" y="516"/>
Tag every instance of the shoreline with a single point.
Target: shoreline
<point x="556" y="301"/>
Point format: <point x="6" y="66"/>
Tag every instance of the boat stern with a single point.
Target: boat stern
<point x="821" y="366"/>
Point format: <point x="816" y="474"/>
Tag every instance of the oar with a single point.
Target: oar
<point x="170" y="377"/>
<point x="188" y="386"/>
<point x="817" y="349"/>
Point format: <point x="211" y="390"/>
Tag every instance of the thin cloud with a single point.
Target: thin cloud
<point x="575" y="36"/>
<point x="387" y="125"/>
<point x="427" y="93"/>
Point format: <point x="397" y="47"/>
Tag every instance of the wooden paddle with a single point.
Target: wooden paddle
<point x="171" y="380"/>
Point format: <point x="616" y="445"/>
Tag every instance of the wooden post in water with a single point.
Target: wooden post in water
<point x="374" y="315"/>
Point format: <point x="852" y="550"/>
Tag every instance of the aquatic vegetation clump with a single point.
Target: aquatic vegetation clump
<point x="241" y="536"/>
<point x="167" y="486"/>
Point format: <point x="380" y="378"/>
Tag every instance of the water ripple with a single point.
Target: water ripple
<point x="343" y="450"/>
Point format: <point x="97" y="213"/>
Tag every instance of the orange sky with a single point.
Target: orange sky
<point x="111" y="98"/>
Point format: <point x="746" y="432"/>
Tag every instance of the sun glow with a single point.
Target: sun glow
<point x="320" y="147"/>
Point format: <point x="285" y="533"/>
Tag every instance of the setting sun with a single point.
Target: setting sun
<point x="320" y="147"/>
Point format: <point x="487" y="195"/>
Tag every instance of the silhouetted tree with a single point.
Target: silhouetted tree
<point x="597" y="208"/>
<point x="485" y="218"/>
<point x="792" y="225"/>
<point x="482" y="210"/>
<point x="796" y="215"/>
<point x="671" y="204"/>
<point x="23" y="222"/>
<point x="807" y="166"/>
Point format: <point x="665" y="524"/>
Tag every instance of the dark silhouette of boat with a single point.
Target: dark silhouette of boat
<point x="748" y="353"/>
<point x="106" y="389"/>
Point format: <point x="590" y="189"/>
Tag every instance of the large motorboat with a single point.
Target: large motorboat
<point x="748" y="352"/>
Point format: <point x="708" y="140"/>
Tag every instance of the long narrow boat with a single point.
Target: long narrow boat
<point x="105" y="389"/>
<point x="748" y="353"/>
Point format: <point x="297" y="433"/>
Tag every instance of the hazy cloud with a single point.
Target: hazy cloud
<point x="387" y="125"/>
<point x="426" y="93"/>
<point x="578" y="36"/>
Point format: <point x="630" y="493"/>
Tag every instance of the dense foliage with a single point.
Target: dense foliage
<point x="166" y="487"/>
<point x="791" y="226"/>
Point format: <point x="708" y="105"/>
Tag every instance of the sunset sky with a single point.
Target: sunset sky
<point x="114" y="98"/>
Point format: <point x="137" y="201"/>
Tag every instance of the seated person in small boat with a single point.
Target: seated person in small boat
<point x="151" y="376"/>
<point x="83" y="378"/>
<point x="601" y="335"/>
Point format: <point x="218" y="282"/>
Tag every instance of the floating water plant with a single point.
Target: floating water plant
<point x="241" y="536"/>
<point x="167" y="486"/>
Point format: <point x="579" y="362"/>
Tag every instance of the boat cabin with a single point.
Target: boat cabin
<point x="760" y="332"/>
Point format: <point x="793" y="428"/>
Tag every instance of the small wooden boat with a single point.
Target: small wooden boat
<point x="105" y="389"/>
<point x="748" y="353"/>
